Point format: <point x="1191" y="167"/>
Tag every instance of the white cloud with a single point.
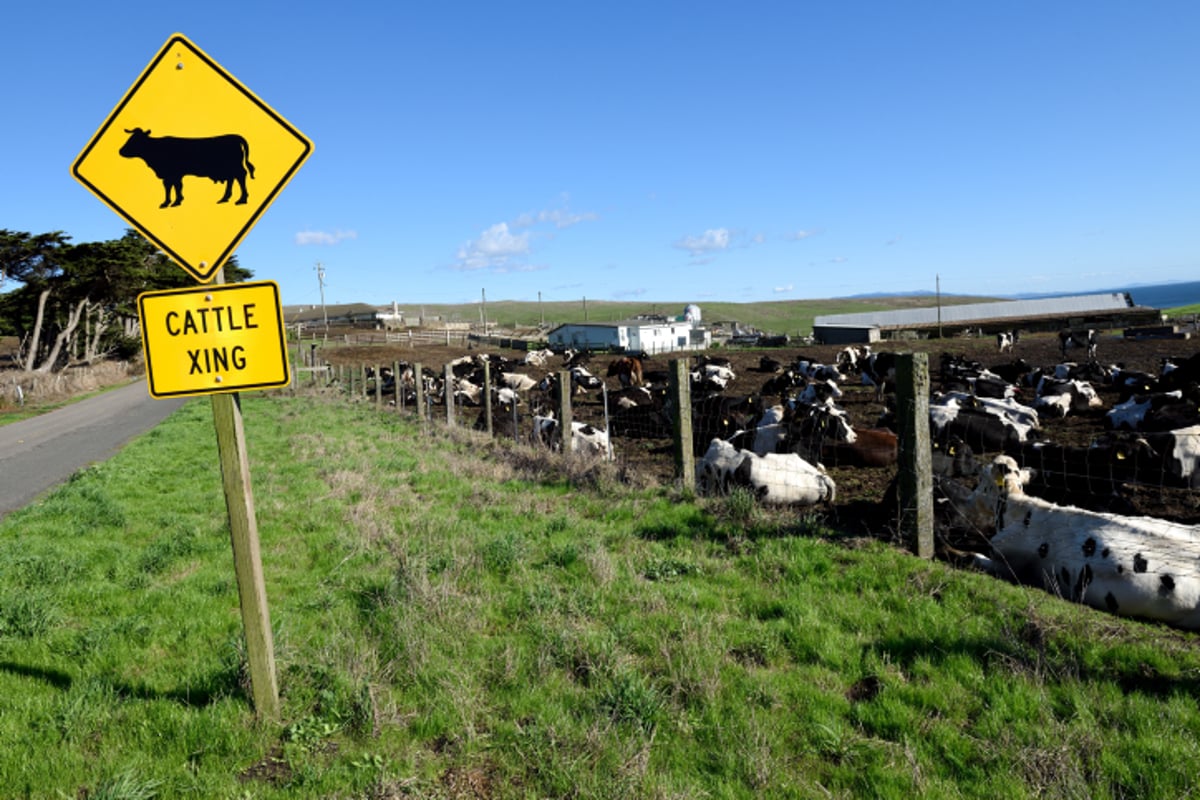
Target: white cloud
<point x="801" y="235"/>
<point x="502" y="247"/>
<point x="782" y="289"/>
<point x="493" y="249"/>
<point x="560" y="218"/>
<point x="712" y="240"/>
<point x="305" y="238"/>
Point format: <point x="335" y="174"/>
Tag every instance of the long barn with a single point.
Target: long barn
<point x="1103" y="311"/>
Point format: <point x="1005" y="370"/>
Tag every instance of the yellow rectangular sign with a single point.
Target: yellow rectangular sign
<point x="211" y="339"/>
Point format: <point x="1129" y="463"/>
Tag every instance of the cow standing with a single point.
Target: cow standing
<point x="1086" y="340"/>
<point x="224" y="159"/>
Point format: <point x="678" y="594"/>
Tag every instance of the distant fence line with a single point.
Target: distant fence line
<point x="676" y="421"/>
<point x="411" y="337"/>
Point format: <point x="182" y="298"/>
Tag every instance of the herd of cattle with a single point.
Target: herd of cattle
<point x="1059" y="515"/>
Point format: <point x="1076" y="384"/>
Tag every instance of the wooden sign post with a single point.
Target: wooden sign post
<point x="187" y="122"/>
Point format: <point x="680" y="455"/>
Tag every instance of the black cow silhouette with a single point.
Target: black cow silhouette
<point x="225" y="159"/>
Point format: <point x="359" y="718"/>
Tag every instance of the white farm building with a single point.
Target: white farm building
<point x="631" y="336"/>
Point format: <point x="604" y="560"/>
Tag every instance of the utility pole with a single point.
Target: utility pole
<point x="321" y="280"/>
<point x="483" y="309"/>
<point x="938" y="291"/>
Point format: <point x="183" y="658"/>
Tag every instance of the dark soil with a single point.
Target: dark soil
<point x="861" y="491"/>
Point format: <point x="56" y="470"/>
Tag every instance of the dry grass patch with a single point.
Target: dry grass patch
<point x="19" y="388"/>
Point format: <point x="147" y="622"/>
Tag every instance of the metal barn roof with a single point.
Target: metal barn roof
<point x="975" y="313"/>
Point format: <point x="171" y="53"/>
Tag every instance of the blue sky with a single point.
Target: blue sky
<point x="662" y="151"/>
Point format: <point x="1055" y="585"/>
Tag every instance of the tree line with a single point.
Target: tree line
<point x="76" y="304"/>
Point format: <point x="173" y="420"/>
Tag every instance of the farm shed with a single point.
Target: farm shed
<point x="630" y="336"/>
<point x="312" y="316"/>
<point x="1107" y="310"/>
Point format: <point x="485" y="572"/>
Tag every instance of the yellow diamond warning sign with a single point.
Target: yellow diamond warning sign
<point x="191" y="158"/>
<point x="204" y="340"/>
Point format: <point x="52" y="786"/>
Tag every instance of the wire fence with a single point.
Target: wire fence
<point x="1129" y="472"/>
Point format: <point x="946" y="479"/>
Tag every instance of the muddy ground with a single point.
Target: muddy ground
<point x="861" y="491"/>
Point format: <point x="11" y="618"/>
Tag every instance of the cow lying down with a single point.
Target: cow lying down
<point x="774" y="477"/>
<point x="1129" y="566"/>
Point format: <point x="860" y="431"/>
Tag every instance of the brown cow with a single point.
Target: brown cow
<point x="627" y="369"/>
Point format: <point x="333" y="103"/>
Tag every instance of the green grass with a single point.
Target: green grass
<point x="793" y="317"/>
<point x="452" y="620"/>
<point x="786" y="316"/>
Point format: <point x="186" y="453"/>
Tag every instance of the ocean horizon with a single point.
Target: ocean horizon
<point x="1164" y="295"/>
<point x="1155" y="295"/>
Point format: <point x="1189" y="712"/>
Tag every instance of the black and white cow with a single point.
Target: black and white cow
<point x="879" y="370"/>
<point x="1086" y="340"/>
<point x="711" y="377"/>
<point x="1059" y="397"/>
<point x="782" y="478"/>
<point x="766" y="434"/>
<point x="814" y="370"/>
<point x="720" y="417"/>
<point x="986" y="424"/>
<point x="1093" y="477"/>
<point x="1158" y="458"/>
<point x="538" y="358"/>
<point x="585" y="438"/>
<point x="953" y="458"/>
<point x="1130" y="566"/>
<point x="518" y="381"/>
<point x="962" y="374"/>
<point x="1158" y="411"/>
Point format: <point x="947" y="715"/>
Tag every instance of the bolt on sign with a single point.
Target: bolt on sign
<point x="205" y="340"/>
<point x="191" y="158"/>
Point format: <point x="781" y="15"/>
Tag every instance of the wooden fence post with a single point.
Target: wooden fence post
<point x="565" y="414"/>
<point x="681" y="391"/>
<point x="396" y="386"/>
<point x="448" y="394"/>
<point x="419" y="381"/>
<point x="378" y="389"/>
<point x="298" y="362"/>
<point x="487" y="396"/>
<point x="916" y="472"/>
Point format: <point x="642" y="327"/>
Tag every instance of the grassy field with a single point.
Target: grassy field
<point x="786" y="316"/>
<point x="457" y="618"/>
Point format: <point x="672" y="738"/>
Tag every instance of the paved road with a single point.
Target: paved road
<point x="42" y="452"/>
